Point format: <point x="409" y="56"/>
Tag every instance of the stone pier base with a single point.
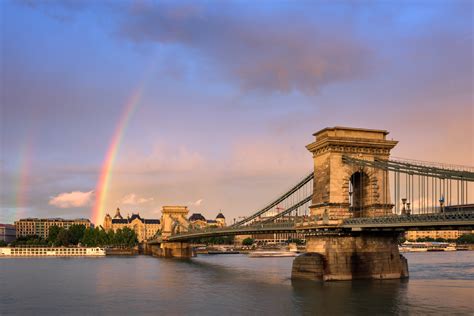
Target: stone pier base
<point x="170" y="250"/>
<point x="363" y="256"/>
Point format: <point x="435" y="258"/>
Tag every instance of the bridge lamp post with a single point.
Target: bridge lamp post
<point x="441" y="204"/>
<point x="408" y="208"/>
<point x="404" y="210"/>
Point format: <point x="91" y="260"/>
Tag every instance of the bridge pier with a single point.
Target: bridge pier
<point x="170" y="250"/>
<point x="349" y="257"/>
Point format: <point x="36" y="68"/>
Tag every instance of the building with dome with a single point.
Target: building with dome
<point x="197" y="220"/>
<point x="144" y="228"/>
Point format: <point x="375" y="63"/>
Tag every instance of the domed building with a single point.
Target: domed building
<point x="144" y="228"/>
<point x="197" y="220"/>
<point x="220" y="220"/>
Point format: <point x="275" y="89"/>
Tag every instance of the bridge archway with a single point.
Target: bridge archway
<point x="335" y="180"/>
<point x="359" y="192"/>
<point x="173" y="220"/>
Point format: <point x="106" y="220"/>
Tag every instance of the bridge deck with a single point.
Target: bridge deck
<point x="451" y="220"/>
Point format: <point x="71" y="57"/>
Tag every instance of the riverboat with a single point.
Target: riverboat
<point x="426" y="246"/>
<point x="261" y="254"/>
<point x="413" y="247"/>
<point x="51" y="252"/>
<point x="223" y="252"/>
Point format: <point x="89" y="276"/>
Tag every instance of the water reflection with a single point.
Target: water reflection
<point x="233" y="284"/>
<point x="359" y="297"/>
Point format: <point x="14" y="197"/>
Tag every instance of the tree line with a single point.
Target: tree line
<point x="463" y="239"/>
<point x="225" y="240"/>
<point x="80" y="235"/>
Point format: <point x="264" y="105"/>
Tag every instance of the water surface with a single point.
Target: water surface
<point x="440" y="283"/>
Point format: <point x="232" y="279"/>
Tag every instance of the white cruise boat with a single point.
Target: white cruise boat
<point x="413" y="247"/>
<point x="51" y="251"/>
<point x="260" y="254"/>
<point x="426" y="246"/>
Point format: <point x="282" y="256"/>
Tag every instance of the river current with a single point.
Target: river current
<point x="440" y="283"/>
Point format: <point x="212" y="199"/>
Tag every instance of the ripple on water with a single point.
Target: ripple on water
<point x="440" y="283"/>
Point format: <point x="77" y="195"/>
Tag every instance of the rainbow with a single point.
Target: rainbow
<point x="103" y="183"/>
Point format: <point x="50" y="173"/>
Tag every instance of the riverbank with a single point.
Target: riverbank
<point x="121" y="251"/>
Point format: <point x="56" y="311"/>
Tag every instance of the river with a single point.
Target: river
<point x="440" y="283"/>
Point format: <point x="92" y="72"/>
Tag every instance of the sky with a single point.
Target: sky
<point x="209" y="104"/>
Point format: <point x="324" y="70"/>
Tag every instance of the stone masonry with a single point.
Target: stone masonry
<point x="362" y="256"/>
<point x="342" y="190"/>
<point x="332" y="176"/>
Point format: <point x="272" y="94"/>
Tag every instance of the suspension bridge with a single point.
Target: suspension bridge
<point x="350" y="209"/>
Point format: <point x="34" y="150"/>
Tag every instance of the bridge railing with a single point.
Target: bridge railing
<point x="417" y="218"/>
<point x="255" y="226"/>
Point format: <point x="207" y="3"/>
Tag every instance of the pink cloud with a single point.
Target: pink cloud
<point x="134" y="199"/>
<point x="72" y="199"/>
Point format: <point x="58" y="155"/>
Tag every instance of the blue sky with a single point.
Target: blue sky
<point x="232" y="93"/>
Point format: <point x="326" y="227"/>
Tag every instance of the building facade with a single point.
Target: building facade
<point x="144" y="228"/>
<point x="445" y="234"/>
<point x="7" y="232"/>
<point x="40" y="226"/>
<point x="198" y="221"/>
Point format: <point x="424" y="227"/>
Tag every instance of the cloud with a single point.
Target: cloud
<point x="72" y="199"/>
<point x="133" y="199"/>
<point x="290" y="48"/>
<point x="280" y="51"/>
<point x="196" y="203"/>
<point x="287" y="49"/>
<point x="164" y="157"/>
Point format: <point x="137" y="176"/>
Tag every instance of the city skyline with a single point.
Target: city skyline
<point x="141" y="105"/>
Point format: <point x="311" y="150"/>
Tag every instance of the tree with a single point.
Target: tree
<point x="224" y="240"/>
<point x="94" y="237"/>
<point x="465" y="239"/>
<point x="76" y="232"/>
<point x="126" y="237"/>
<point x="110" y="237"/>
<point x="247" y="241"/>
<point x="63" y="237"/>
<point x="53" y="234"/>
<point x="88" y="239"/>
<point x="102" y="237"/>
<point x="425" y="239"/>
<point x="3" y="243"/>
<point x="31" y="240"/>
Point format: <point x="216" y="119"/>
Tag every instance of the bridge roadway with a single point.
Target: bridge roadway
<point x="436" y="221"/>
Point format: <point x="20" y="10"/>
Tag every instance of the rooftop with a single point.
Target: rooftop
<point x="53" y="219"/>
<point x="197" y="217"/>
<point x="357" y="130"/>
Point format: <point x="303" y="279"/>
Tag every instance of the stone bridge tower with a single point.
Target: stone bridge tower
<point x="173" y="220"/>
<point x="343" y="190"/>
